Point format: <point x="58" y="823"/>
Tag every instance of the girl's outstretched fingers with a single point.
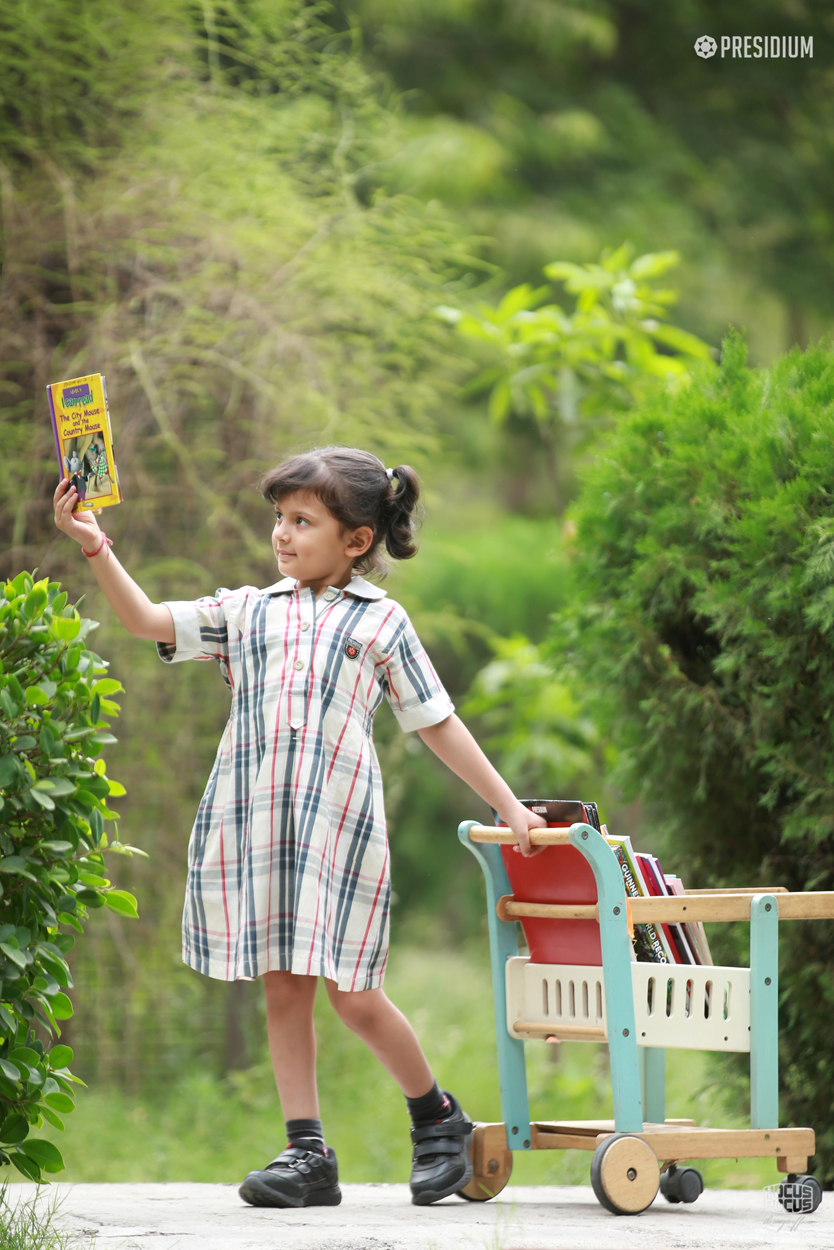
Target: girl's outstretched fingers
<point x="65" y="495"/>
<point x="63" y="501"/>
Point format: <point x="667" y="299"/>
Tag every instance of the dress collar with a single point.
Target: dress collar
<point x="357" y="586"/>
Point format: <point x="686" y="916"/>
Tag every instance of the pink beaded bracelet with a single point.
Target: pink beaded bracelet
<point x="105" y="542"/>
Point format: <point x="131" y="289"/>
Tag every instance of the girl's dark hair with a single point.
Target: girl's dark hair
<point x="355" y="487"/>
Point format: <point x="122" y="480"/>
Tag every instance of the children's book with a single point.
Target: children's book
<point x="83" y="440"/>
<point x="674" y="933"/>
<point x="561" y="813"/>
<point x="650" y="942"/>
<point x="694" y="929"/>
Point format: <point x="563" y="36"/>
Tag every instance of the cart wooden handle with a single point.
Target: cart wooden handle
<point x="680" y="908"/>
<point x="507" y="908"/>
<point x="538" y="837"/>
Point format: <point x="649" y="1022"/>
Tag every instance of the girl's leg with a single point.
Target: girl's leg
<point x="306" y="1173"/>
<point x="387" y="1034"/>
<point x="292" y="1042"/>
<point x="441" y="1132"/>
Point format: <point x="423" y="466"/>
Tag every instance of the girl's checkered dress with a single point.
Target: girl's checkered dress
<point x="288" y="858"/>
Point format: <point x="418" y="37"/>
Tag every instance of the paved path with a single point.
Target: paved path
<point x="380" y="1217"/>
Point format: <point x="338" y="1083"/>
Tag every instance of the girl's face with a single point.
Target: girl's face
<point x="310" y="544"/>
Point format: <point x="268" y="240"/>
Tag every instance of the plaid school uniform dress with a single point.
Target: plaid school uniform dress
<point x="288" y="864"/>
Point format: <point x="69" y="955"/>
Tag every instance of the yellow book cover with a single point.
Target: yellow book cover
<point x="83" y="441"/>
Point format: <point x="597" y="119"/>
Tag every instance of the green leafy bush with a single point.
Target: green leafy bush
<point x="552" y="364"/>
<point x="566" y="375"/>
<point x="531" y="720"/>
<point x="54" y="695"/>
<point x="703" y="634"/>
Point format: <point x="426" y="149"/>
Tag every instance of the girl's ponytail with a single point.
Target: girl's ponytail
<point x="397" y="509"/>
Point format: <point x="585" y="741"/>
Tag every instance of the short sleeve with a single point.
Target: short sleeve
<point x="410" y="684"/>
<point x="201" y="628"/>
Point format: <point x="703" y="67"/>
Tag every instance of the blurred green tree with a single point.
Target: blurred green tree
<point x="701" y="634"/>
<point x="569" y="373"/>
<point x="73" y="77"/>
<point x="533" y="722"/>
<point x="195" y="225"/>
<point x="555" y="124"/>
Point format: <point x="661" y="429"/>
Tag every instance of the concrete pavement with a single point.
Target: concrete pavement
<point x="380" y="1217"/>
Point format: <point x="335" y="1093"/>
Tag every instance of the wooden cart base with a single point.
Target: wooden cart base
<point x="669" y="1143"/>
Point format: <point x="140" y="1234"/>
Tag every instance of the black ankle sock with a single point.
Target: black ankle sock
<point x="430" y="1107"/>
<point x="308" y="1134"/>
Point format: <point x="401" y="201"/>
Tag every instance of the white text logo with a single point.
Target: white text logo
<point x="772" y="47"/>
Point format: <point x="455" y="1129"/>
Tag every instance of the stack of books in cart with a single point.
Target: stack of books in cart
<point x="643" y="878"/>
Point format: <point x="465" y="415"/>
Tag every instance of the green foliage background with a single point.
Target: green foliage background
<point x="546" y="122"/>
<point x="701" y="627"/>
<point x="244" y="213"/>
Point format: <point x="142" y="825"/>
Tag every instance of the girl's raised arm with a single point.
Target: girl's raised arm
<point x="452" y="743"/>
<point x="128" y="600"/>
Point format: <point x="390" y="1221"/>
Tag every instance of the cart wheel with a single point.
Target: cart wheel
<point x="800" y="1194"/>
<point x="625" y="1174"/>
<point x="493" y="1168"/>
<point x="681" y="1184"/>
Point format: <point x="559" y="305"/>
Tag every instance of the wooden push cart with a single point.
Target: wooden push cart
<point x="639" y="1009"/>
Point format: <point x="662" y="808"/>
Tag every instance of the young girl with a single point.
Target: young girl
<point x="288" y="860"/>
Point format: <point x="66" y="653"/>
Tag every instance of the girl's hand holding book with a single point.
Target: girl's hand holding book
<point x="82" y="527"/>
<point x="127" y="599"/>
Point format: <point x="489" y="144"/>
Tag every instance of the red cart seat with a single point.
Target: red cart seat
<point x="559" y="874"/>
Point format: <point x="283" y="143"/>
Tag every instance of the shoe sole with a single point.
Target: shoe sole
<point x="257" y="1194"/>
<point x="428" y="1196"/>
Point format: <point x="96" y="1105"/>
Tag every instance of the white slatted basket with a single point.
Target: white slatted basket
<point x="675" y="1005"/>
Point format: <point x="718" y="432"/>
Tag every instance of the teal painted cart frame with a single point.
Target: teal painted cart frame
<point x="637" y="1072"/>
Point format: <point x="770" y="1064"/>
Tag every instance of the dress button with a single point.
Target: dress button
<point x="299" y="664"/>
<point x="305" y="625"/>
<point x="329" y="596"/>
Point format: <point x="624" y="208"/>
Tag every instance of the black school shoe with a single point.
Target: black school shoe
<point x="297" y="1178"/>
<point x="442" y="1160"/>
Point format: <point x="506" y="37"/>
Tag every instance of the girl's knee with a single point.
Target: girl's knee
<point x="287" y="988"/>
<point x="359" y="1009"/>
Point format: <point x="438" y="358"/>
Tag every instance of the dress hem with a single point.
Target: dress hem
<point x="345" y="984"/>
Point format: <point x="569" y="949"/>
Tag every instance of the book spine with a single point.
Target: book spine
<point x="642" y="877"/>
<point x="115" y="468"/>
<point x="650" y="877"/>
<point x="591" y="813"/>
<point x="694" y="930"/>
<point x="61" y="468"/>
<point x="679" y="931"/>
<point x="646" y="942"/>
